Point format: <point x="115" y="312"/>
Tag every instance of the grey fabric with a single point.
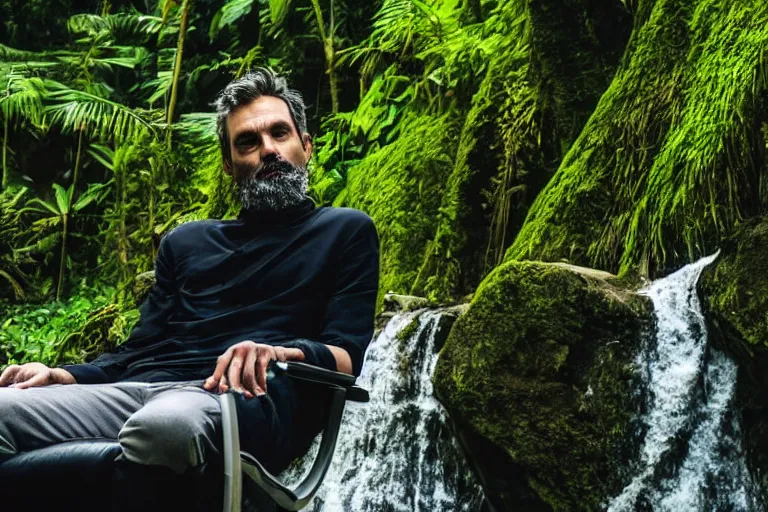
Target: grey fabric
<point x="171" y="424"/>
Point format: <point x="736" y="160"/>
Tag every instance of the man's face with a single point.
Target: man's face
<point x="269" y="156"/>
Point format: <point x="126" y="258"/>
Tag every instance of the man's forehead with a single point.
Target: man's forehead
<point x="259" y="114"/>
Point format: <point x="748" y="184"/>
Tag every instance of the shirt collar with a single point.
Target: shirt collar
<point x="266" y="218"/>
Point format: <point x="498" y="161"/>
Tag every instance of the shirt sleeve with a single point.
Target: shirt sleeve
<point x="155" y="311"/>
<point x="349" y="317"/>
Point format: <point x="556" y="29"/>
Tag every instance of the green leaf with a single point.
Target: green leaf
<point x="230" y="13"/>
<point x="45" y="204"/>
<point x="278" y="10"/>
<point x="62" y="197"/>
<point x="103" y="154"/>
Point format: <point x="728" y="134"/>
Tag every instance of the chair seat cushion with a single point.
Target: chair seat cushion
<point x="76" y="475"/>
<point x="71" y="456"/>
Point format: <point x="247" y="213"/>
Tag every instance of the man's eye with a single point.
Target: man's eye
<point x="279" y="133"/>
<point x="247" y="143"/>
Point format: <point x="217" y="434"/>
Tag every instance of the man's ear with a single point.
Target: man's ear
<point x="306" y="141"/>
<point x="227" y="167"/>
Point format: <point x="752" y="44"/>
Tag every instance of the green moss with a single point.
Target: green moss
<point x="541" y="366"/>
<point x="735" y="287"/>
<point x="528" y="109"/>
<point x="671" y="158"/>
<point x="407" y="332"/>
<point x="399" y="187"/>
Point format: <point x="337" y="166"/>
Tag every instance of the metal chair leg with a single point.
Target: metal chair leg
<point x="233" y="474"/>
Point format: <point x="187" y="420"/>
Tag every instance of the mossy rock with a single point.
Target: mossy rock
<point x="735" y="287"/>
<point x="734" y="291"/>
<point x="143" y="284"/>
<point x="541" y="367"/>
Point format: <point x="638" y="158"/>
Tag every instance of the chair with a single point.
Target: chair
<point x="67" y="464"/>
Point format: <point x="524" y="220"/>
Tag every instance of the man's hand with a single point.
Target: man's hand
<point x="34" y="374"/>
<point x="244" y="365"/>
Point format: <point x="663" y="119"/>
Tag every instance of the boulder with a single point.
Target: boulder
<point x="143" y="284"/>
<point x="734" y="291"/>
<point x="538" y="377"/>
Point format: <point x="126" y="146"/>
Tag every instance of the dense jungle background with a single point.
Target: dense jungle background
<point x="630" y="136"/>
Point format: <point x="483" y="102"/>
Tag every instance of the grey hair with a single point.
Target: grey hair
<point x="253" y="85"/>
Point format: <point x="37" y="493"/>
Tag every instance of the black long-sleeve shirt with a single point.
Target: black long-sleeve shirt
<point x="301" y="277"/>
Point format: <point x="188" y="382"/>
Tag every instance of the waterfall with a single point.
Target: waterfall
<point x="691" y="457"/>
<point x="397" y="453"/>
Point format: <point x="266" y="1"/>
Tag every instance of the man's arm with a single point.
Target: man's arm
<point x="343" y="361"/>
<point x="155" y="311"/>
<point x="349" y="317"/>
<point x="31" y="375"/>
<point x="347" y="329"/>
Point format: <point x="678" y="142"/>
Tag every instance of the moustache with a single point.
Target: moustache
<point x="270" y="168"/>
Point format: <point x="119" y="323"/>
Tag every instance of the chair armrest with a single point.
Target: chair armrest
<point x="310" y="373"/>
<point x="313" y="373"/>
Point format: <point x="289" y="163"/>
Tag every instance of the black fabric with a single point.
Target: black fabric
<point x="76" y="476"/>
<point x="301" y="277"/>
<point x="140" y="488"/>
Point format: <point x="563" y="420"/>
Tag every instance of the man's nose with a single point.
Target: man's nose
<point x="268" y="147"/>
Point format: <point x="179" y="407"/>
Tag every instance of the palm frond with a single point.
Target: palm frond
<point x="161" y="85"/>
<point x="104" y="155"/>
<point x="23" y="99"/>
<point x="75" y="110"/>
<point x="114" y="27"/>
<point x="8" y="54"/>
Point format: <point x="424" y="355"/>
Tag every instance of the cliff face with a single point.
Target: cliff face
<point x="674" y="155"/>
<point x="538" y="375"/>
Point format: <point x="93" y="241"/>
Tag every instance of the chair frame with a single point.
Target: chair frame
<point x="237" y="462"/>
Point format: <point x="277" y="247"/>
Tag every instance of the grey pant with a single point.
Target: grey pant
<point x="171" y="424"/>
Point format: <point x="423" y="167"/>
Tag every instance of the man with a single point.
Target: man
<point x="285" y="281"/>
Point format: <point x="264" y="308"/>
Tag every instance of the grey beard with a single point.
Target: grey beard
<point x="283" y="191"/>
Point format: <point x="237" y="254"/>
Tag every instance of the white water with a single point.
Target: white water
<point x="396" y="453"/>
<point x="691" y="457"/>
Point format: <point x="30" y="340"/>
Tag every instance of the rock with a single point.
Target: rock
<point x="734" y="292"/>
<point x="404" y="303"/>
<point x="144" y="282"/>
<point x="540" y="366"/>
<point x="95" y="336"/>
<point x="735" y="288"/>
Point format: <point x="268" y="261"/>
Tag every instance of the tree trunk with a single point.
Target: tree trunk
<point x="330" y="53"/>
<point x="66" y="215"/>
<point x="185" y="8"/>
<point x="76" y="171"/>
<point x="5" y="154"/>
<point x="153" y="169"/>
<point x="331" y="57"/>
<point x="63" y="259"/>
<point x="122" y="235"/>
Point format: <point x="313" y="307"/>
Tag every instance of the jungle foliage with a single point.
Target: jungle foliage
<point x="626" y="134"/>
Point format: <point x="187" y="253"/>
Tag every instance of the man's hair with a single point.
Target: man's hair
<point x="253" y="85"/>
